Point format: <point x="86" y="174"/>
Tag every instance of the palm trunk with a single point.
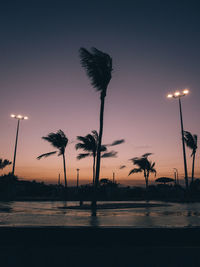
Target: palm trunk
<point x="64" y="170"/>
<point x="146" y="179"/>
<point x="99" y="149"/>
<point x="193" y="167"/>
<point x="94" y="158"/>
<point x="100" y="140"/>
<point x="147" y="183"/>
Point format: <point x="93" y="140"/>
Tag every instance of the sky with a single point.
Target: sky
<point x="155" y="50"/>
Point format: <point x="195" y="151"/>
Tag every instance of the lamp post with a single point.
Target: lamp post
<point x="176" y="175"/>
<point x="18" y="117"/>
<point x="59" y="179"/>
<point x="113" y="177"/>
<point x="77" y="182"/>
<point x="178" y="95"/>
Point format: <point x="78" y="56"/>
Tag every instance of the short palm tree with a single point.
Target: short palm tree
<point x="89" y="144"/>
<point x="191" y="142"/>
<point x="144" y="165"/>
<point x="59" y="141"/>
<point x="98" y="66"/>
<point x="4" y="163"/>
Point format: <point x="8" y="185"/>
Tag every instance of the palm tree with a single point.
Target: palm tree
<point x="59" y="141"/>
<point x="191" y="142"/>
<point x="4" y="163"/>
<point x="144" y="165"/>
<point x="98" y="66"/>
<point x="89" y="144"/>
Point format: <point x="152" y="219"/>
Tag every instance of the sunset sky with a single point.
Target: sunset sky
<point x="155" y="46"/>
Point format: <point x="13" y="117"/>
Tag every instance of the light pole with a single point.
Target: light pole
<point x="113" y="177"/>
<point x="18" y="117"/>
<point x="59" y="179"/>
<point x="178" y="96"/>
<point x="77" y="182"/>
<point x="176" y="175"/>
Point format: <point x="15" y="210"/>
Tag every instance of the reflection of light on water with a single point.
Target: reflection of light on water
<point x="50" y="214"/>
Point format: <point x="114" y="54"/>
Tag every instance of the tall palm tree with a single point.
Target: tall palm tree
<point x="191" y="142"/>
<point x="59" y="141"/>
<point x="144" y="165"/>
<point x="98" y="66"/>
<point x="89" y="144"/>
<point x="4" y="163"/>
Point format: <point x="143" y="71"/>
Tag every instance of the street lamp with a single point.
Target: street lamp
<point x="178" y="95"/>
<point x="176" y="175"/>
<point x="77" y="182"/>
<point x="18" y="117"/>
<point x="113" y="177"/>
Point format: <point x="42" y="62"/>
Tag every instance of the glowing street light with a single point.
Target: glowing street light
<point x="18" y="117"/>
<point x="178" y="95"/>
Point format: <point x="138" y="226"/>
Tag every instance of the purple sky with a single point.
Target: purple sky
<point x="155" y="50"/>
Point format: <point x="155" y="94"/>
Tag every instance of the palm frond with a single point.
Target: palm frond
<point x="88" y="143"/>
<point x="80" y="146"/>
<point x="95" y="134"/>
<point x="58" y="140"/>
<point x="153" y="164"/>
<point x="103" y="148"/>
<point x="132" y="159"/>
<point x="136" y="170"/>
<point x="143" y="162"/>
<point x="82" y="156"/>
<point x="117" y="142"/>
<point x="4" y="163"/>
<point x="195" y="138"/>
<point x="190" y="140"/>
<point x="81" y="138"/>
<point x="92" y="142"/>
<point x="146" y="155"/>
<point x="140" y="162"/>
<point x="122" y="167"/>
<point x="98" y="66"/>
<point x="45" y="155"/>
<point x="153" y="171"/>
<point x="111" y="154"/>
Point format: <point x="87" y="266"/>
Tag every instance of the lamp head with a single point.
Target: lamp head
<point x="186" y="92"/>
<point x="169" y="96"/>
<point x="19" y="117"/>
<point x="177" y="93"/>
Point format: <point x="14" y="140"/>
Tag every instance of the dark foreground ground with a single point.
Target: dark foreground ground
<point x="102" y="247"/>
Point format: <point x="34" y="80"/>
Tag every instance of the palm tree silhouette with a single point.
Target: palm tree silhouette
<point x="98" y="66"/>
<point x="89" y="144"/>
<point x="59" y="141"/>
<point x="144" y="165"/>
<point x="4" y="163"/>
<point x="191" y="142"/>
